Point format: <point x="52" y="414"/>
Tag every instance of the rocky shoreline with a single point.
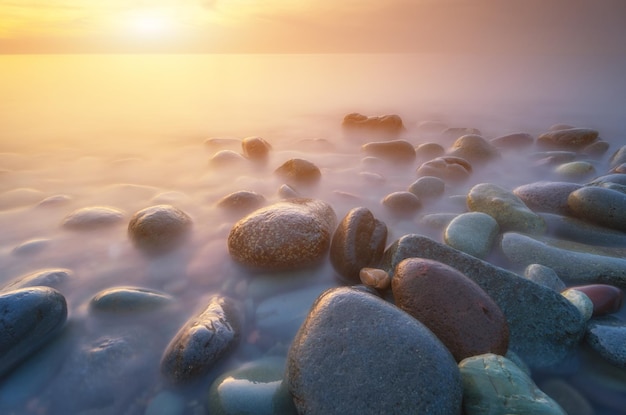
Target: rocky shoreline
<point x="451" y="294"/>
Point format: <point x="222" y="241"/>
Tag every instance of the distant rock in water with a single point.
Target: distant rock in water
<point x="290" y="234"/>
<point x="571" y="138"/>
<point x="243" y="201"/>
<point x="397" y="151"/>
<point x="474" y="148"/>
<point x="514" y="141"/>
<point x="93" y="217"/>
<point x="447" y="168"/>
<point x="158" y="229"/>
<point x="383" y="124"/>
<point x="255" y="148"/>
<point x="299" y="172"/>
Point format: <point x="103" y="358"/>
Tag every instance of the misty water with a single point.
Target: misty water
<point x="132" y="131"/>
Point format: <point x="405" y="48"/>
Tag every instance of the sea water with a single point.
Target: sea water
<point x="131" y="131"/>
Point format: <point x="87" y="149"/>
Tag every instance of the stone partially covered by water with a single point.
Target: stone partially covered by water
<point x="128" y="300"/>
<point x="291" y="234"/>
<point x="299" y="172"/>
<point x="93" y="217"/>
<point x="599" y="205"/>
<point x="159" y="229"/>
<point x="547" y="196"/>
<point x="29" y="317"/>
<point x="473" y="233"/>
<point x="506" y="208"/>
<point x="543" y="326"/>
<point x="606" y="299"/>
<point x="447" y="168"/>
<point x="203" y="340"/>
<point x="377" y="124"/>
<point x="571" y="266"/>
<point x="544" y="276"/>
<point x="427" y="187"/>
<point x="241" y="202"/>
<point x="493" y="384"/>
<point x="53" y="278"/>
<point x="255" y="148"/>
<point x="607" y="336"/>
<point x="396" y="151"/>
<point x="352" y="341"/>
<point x="358" y="242"/>
<point x="474" y="148"/>
<point x="570" y="138"/>
<point x="513" y="141"/>
<point x="452" y="306"/>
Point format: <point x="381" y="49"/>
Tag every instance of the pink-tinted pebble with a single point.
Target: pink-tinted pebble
<point x="606" y="299"/>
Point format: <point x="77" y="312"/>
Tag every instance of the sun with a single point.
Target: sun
<point x="151" y="23"/>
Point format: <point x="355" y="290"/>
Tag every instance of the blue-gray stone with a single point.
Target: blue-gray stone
<point x="29" y="318"/>
<point x="352" y="344"/>
<point x="129" y="299"/>
<point x="572" y="267"/>
<point x="53" y="278"/>
<point x="203" y="340"/>
<point x="427" y="187"/>
<point x="544" y="276"/>
<point x="607" y="336"/>
<point x="576" y="230"/>
<point x="253" y="388"/>
<point x="599" y="205"/>
<point x="473" y="233"/>
<point x="544" y="327"/>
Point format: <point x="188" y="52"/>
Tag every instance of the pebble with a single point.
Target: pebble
<point x="618" y="157"/>
<point x="375" y="278"/>
<point x="336" y="362"/>
<point x="56" y="200"/>
<point x="447" y="168"/>
<point x="389" y="124"/>
<point x="227" y="158"/>
<point x="572" y="267"/>
<point x="544" y="276"/>
<point x="606" y="299"/>
<point x="513" y="141"/>
<point x="299" y="172"/>
<point x="403" y="204"/>
<point x="576" y="230"/>
<point x="396" y="151"/>
<point x="596" y="149"/>
<point x="493" y="384"/>
<point x="30" y="318"/>
<point x="159" y="229"/>
<point x="507" y="209"/>
<point x="129" y="300"/>
<point x="427" y="187"/>
<point x="473" y="233"/>
<point x="241" y="202"/>
<point x="428" y="151"/>
<point x="547" y="196"/>
<point x="255" y="148"/>
<point x="571" y="138"/>
<point x="287" y="192"/>
<point x="604" y="207"/>
<point x="581" y="301"/>
<point x="288" y="235"/>
<point x="614" y="178"/>
<point x="575" y="170"/>
<point x="93" y="217"/>
<point x="358" y="242"/>
<point x="52" y="277"/>
<point x="607" y="336"/>
<point x="474" y="148"/>
<point x="452" y="306"/>
<point x="202" y="341"/>
<point x="543" y="326"/>
<point x="253" y="388"/>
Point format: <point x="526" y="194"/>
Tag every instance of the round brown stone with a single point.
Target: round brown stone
<point x="456" y="309"/>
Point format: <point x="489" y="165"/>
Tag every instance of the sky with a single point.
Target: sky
<point x="306" y="26"/>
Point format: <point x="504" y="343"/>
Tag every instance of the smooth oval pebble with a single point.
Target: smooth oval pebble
<point x="493" y="384"/>
<point x="403" y="204"/>
<point x="243" y="201"/>
<point x="93" y="217"/>
<point x="29" y="317"/>
<point x="455" y="308"/>
<point x="544" y="276"/>
<point x="427" y="187"/>
<point x="375" y="278"/>
<point x="53" y="278"/>
<point x="398" y="151"/>
<point x="159" y="229"/>
<point x="473" y="233"/>
<point x="474" y="148"/>
<point x="359" y="241"/>
<point x="606" y="299"/>
<point x="599" y="205"/>
<point x="129" y="299"/>
<point x="574" y="138"/>
<point x="581" y="301"/>
<point x="513" y="141"/>
<point x="202" y="341"/>
<point x="255" y="148"/>
<point x="299" y="172"/>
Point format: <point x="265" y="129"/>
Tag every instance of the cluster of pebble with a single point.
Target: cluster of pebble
<point x="413" y="325"/>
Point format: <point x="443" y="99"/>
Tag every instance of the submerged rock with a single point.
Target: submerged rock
<point x="452" y="306"/>
<point x="427" y="187"/>
<point x="202" y="341"/>
<point x="571" y="138"/>
<point x="403" y="204"/>
<point x="358" y="242"/>
<point x="571" y="266"/>
<point x="397" y="151"/>
<point x="390" y="124"/>
<point x="543" y="326"/>
<point x="599" y="205"/>
<point x="297" y="172"/>
<point x="506" y="208"/>
<point x="243" y="201"/>
<point x="93" y="217"/>
<point x="159" y="229"/>
<point x="29" y="317"/>
<point x="128" y="300"/>
<point x="53" y="278"/>
<point x="493" y="384"/>
<point x="473" y="233"/>
<point x="474" y="148"/>
<point x="607" y="336"/>
<point x="291" y="234"/>
<point x="255" y="148"/>
<point x="336" y="362"/>
<point x="447" y="168"/>
<point x="513" y="141"/>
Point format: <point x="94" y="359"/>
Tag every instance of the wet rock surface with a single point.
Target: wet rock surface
<point x="299" y="172"/>
<point x="292" y="234"/>
<point x="570" y="138"/>
<point x="159" y="229"/>
<point x="452" y="306"/>
<point x="473" y="233"/>
<point x="332" y="358"/>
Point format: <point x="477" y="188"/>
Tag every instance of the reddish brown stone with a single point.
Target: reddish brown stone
<point x="456" y="309"/>
<point x="606" y="299"/>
